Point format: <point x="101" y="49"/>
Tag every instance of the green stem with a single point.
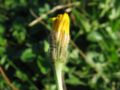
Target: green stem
<point x="58" y="72"/>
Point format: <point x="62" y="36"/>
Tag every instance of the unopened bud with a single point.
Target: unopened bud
<point x="60" y="37"/>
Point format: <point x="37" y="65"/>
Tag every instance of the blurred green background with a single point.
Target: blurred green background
<point x="94" y="49"/>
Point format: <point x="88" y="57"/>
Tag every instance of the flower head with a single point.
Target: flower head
<point x="60" y="36"/>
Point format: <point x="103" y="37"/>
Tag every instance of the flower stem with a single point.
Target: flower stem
<point x="58" y="72"/>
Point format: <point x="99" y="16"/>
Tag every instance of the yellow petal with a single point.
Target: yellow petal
<point x="62" y="23"/>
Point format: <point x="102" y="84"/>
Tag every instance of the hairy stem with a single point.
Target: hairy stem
<point x="58" y="72"/>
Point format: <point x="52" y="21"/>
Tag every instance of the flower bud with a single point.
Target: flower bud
<point x="60" y="37"/>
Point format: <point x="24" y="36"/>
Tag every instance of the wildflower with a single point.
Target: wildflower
<point x="59" y="43"/>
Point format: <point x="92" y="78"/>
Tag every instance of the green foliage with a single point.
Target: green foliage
<point x="94" y="50"/>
